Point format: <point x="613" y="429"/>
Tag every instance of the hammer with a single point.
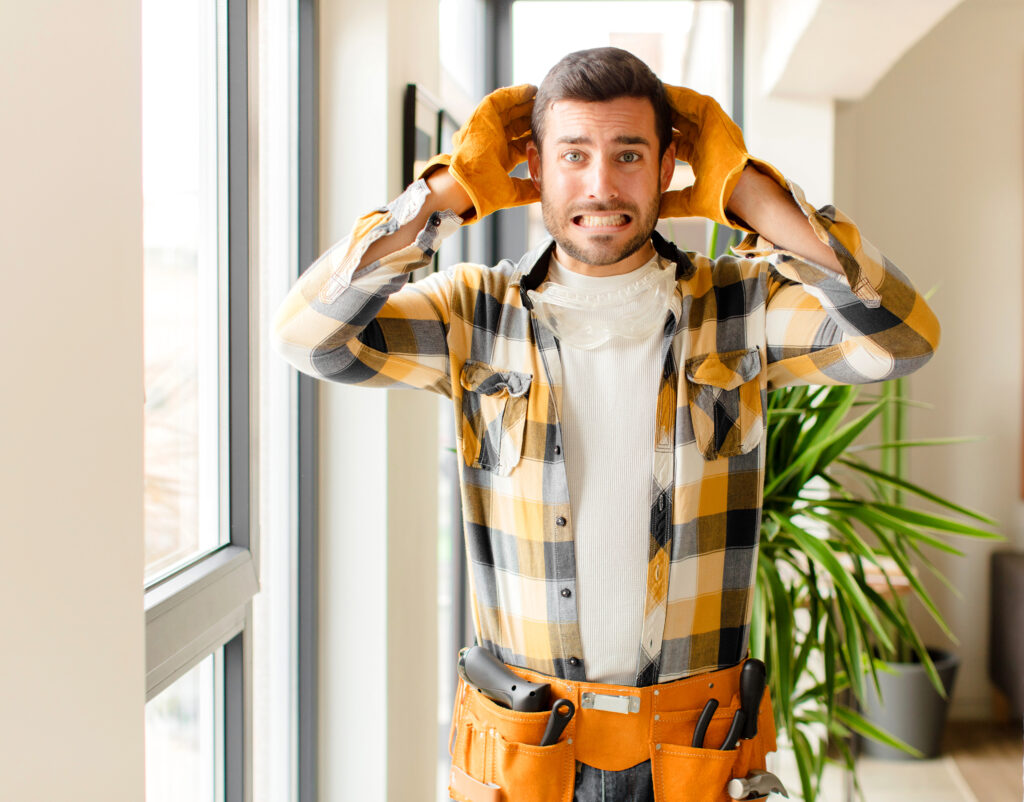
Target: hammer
<point x="756" y="785"/>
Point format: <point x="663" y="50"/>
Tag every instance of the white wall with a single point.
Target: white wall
<point x="71" y="563"/>
<point x="795" y="135"/>
<point x="379" y="449"/>
<point x="818" y="47"/>
<point x="931" y="165"/>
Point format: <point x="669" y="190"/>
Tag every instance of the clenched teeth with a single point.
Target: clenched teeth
<point x="597" y="220"/>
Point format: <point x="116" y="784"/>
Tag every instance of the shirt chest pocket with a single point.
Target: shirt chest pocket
<point x="724" y="393"/>
<point x="494" y="406"/>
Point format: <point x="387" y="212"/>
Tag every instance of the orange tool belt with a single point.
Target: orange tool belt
<point x="495" y="757"/>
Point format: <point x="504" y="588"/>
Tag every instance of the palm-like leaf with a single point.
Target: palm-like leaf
<point x="818" y="621"/>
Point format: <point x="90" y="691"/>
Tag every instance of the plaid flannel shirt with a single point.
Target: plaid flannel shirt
<point x="739" y="327"/>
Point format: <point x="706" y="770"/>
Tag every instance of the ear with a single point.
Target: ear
<point x="533" y="160"/>
<point x="668" y="166"/>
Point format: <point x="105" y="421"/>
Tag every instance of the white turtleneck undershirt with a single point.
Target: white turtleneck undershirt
<point x="609" y="404"/>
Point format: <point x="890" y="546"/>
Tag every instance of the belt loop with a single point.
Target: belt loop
<point x="610" y="703"/>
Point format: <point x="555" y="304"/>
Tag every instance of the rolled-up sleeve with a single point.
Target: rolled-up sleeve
<point x="367" y="325"/>
<point x="866" y="324"/>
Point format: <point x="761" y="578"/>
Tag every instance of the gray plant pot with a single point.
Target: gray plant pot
<point x="912" y="710"/>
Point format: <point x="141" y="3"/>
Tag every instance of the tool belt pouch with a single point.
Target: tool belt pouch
<point x="495" y="757"/>
<point x="683" y="773"/>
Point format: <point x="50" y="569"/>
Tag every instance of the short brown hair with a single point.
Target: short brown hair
<point x="597" y="75"/>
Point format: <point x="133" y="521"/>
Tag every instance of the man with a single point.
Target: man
<point x="609" y="393"/>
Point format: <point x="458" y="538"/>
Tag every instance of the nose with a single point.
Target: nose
<point x="601" y="181"/>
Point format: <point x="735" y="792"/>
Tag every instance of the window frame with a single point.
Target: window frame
<point x="308" y="435"/>
<point x="207" y="603"/>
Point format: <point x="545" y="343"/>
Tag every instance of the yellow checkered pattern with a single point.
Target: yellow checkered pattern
<point x="739" y="326"/>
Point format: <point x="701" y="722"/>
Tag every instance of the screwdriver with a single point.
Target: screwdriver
<point x="561" y="714"/>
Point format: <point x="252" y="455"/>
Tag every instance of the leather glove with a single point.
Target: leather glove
<point x="712" y="144"/>
<point x="487" y="148"/>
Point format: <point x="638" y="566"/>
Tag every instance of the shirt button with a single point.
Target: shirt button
<point x="435" y="219"/>
<point x="558" y="449"/>
<point x="574" y="661"/>
<point x="566" y="592"/>
<point x="560" y="520"/>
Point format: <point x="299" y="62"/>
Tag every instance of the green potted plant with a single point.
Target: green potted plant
<point x="834" y="538"/>
<point x="836" y="562"/>
<point x="906" y="704"/>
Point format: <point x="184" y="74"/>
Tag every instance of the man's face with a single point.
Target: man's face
<point x="601" y="181"/>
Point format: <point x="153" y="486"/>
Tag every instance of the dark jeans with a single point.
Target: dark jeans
<point x="630" y="785"/>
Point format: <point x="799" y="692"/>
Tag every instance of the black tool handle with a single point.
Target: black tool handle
<point x="490" y="676"/>
<point x="702" y="723"/>
<point x="735" y="731"/>
<point x="561" y="714"/>
<point x="753" y="677"/>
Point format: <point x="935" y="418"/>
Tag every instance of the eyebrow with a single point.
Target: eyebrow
<point x="586" y="140"/>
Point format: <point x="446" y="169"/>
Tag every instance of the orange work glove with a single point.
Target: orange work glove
<point x="487" y="148"/>
<point x="713" y="146"/>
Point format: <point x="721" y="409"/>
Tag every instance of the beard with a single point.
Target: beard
<point x="599" y="249"/>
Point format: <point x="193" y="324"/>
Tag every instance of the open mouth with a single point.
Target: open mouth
<point x="603" y="220"/>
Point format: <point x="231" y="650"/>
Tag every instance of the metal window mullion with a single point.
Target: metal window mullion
<point x="739" y="16"/>
<point x="239" y="168"/>
<point x="243" y="208"/>
<point x="508" y="228"/>
<point x="308" y="602"/>
<point x="194" y="612"/>
<point x="738" y="52"/>
<point x="308" y="622"/>
<point x="238" y="672"/>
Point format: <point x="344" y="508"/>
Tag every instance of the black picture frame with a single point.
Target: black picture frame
<point x="421" y="141"/>
<point x="456" y="247"/>
<point x="421" y="134"/>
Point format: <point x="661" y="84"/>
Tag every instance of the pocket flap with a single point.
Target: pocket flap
<point x="726" y="370"/>
<point x="478" y="377"/>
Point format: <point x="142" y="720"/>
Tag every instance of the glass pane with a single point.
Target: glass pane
<point x="686" y="43"/>
<point x="183" y="737"/>
<point x="180" y="88"/>
<point x="462" y="40"/>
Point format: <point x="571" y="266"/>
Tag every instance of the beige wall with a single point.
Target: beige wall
<point x="931" y="165"/>
<point x="71" y="619"/>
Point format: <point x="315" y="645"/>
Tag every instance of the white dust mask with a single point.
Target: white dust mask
<point x="633" y="306"/>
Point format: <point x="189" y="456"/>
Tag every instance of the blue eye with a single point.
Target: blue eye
<point x="573" y="156"/>
<point x="630" y="157"/>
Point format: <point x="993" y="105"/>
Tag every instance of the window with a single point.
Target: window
<point x="183" y="233"/>
<point x="183" y="725"/>
<point x="202" y="511"/>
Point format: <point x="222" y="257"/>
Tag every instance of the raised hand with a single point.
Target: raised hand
<point x="488" y="147"/>
<point x="712" y="144"/>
